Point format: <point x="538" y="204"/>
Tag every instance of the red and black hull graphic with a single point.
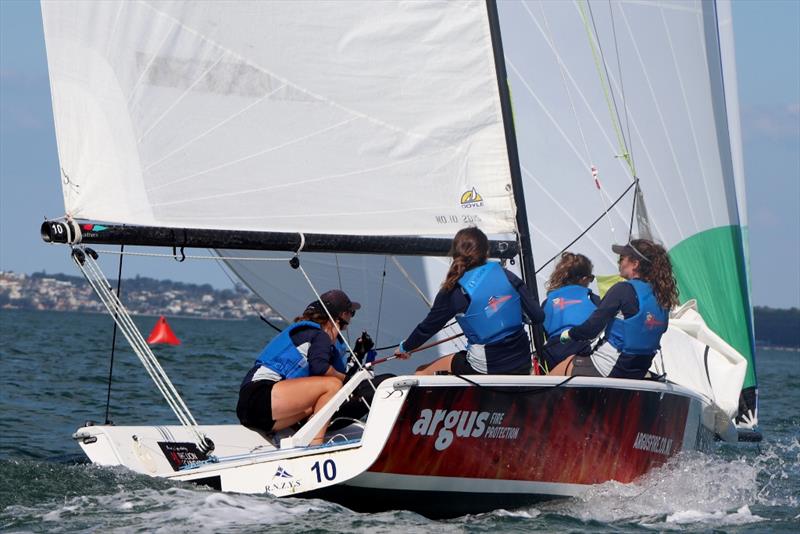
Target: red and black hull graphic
<point x="568" y="435"/>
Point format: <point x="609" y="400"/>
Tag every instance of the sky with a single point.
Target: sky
<point x="767" y="40"/>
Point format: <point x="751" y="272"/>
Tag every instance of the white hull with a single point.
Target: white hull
<point x="393" y="452"/>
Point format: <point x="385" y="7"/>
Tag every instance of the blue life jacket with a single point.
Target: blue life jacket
<point x="566" y="307"/>
<point x="640" y="334"/>
<point x="282" y="356"/>
<point x="494" y="311"/>
<point x="340" y="358"/>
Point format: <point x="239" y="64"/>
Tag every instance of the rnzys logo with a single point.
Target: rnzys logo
<point x="560" y="303"/>
<point x="471" y="199"/>
<point x="282" y="480"/>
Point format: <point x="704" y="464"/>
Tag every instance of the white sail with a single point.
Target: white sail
<point x="328" y="117"/>
<point x="594" y="81"/>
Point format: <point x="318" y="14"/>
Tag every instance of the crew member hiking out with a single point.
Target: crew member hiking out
<point x="300" y="369"/>
<point x="634" y="314"/>
<point x="488" y="302"/>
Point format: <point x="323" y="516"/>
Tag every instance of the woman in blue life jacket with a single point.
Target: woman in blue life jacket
<point x="488" y="302"/>
<point x="569" y="303"/>
<point x="634" y="314"/>
<point x="300" y="369"/>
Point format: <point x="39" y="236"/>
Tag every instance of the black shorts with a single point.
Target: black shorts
<point x="583" y="366"/>
<point x="460" y="366"/>
<point x="254" y="408"/>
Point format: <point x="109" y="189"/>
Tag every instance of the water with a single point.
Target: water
<point x="53" y="372"/>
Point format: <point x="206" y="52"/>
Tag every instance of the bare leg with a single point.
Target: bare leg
<point x="442" y="364"/>
<point x="297" y="398"/>
<point x="564" y="368"/>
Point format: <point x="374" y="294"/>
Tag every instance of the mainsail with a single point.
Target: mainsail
<point x="384" y="119"/>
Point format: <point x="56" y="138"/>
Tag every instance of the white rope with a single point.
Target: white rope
<point x="411" y="282"/>
<point x="94" y="275"/>
<point x="334" y="323"/>
<point x="449" y="329"/>
<point x="188" y="257"/>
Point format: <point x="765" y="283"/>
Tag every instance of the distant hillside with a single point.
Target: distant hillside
<point x="778" y="328"/>
<point x="141" y="295"/>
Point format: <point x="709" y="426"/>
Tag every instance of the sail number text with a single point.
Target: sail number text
<point x="327" y="471"/>
<point x="458" y="219"/>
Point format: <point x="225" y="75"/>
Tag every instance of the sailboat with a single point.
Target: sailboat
<point x="319" y="145"/>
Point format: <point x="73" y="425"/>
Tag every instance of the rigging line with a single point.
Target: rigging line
<point x="563" y="208"/>
<point x="99" y="283"/>
<point x="338" y="269"/>
<point x="380" y="301"/>
<point x="621" y="85"/>
<point x="628" y="155"/>
<point x="188" y="257"/>
<point x="575" y="115"/>
<point x="420" y="293"/>
<point x="589" y="227"/>
<point x="660" y="114"/>
<point x="235" y="285"/>
<point x="335" y="324"/>
<point x="114" y="337"/>
<point x="589" y="108"/>
<point x="633" y="212"/>
<point x="600" y="66"/>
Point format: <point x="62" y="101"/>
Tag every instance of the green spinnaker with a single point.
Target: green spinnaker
<point x="710" y="267"/>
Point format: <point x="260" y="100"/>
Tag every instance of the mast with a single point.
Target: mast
<point x="526" y="250"/>
<point x="72" y="232"/>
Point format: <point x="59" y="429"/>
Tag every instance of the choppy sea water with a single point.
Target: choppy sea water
<point x="53" y="377"/>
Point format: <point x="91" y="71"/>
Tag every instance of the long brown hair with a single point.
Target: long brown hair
<point x="570" y="269"/>
<point x="657" y="271"/>
<point x="313" y="314"/>
<point x="470" y="248"/>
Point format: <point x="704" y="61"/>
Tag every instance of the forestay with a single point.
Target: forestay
<point x="374" y="118"/>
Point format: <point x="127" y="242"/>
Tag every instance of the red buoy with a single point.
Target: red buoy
<point x="162" y="333"/>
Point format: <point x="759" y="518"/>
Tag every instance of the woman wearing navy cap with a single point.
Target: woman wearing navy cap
<point x="634" y="314"/>
<point x="300" y="369"/>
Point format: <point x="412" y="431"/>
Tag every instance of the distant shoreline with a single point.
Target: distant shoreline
<point x="166" y="315"/>
<point x="762" y="346"/>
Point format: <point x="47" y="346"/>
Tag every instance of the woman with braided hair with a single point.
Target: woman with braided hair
<point x="569" y="303"/>
<point x="634" y="314"/>
<point x="488" y="302"/>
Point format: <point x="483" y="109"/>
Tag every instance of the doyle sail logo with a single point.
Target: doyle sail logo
<point x="282" y="480"/>
<point x="560" y="303"/>
<point x="471" y="199"/>
<point x="461" y="424"/>
<point x="651" y="322"/>
<point x="495" y="303"/>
